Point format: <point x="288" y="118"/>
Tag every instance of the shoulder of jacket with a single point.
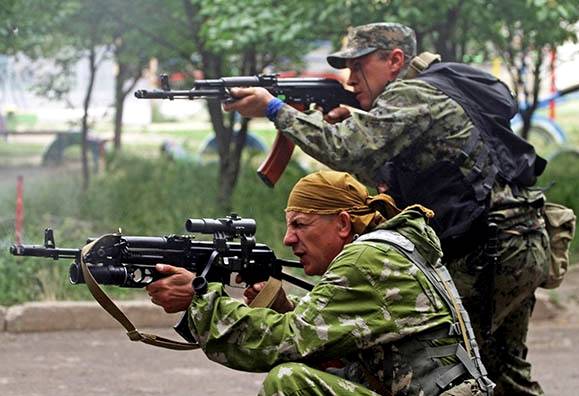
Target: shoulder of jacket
<point x="413" y="88"/>
<point x="387" y="237"/>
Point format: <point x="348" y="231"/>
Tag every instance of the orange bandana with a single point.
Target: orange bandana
<point x="330" y="192"/>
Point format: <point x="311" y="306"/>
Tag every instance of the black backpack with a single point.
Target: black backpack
<point x="490" y="106"/>
<point x="459" y="201"/>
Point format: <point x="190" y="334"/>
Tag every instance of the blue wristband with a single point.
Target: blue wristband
<point x="273" y="107"/>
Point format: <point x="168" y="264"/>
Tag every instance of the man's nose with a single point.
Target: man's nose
<point x="289" y="238"/>
<point x="351" y="79"/>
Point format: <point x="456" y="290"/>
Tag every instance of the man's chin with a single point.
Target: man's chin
<point x="365" y="105"/>
<point x="364" y="102"/>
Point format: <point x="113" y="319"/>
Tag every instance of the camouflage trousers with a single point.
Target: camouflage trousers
<point x="298" y="379"/>
<point x="521" y="269"/>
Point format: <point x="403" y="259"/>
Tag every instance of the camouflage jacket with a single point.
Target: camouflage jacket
<point x="370" y="296"/>
<point x="407" y="112"/>
<point x="417" y="127"/>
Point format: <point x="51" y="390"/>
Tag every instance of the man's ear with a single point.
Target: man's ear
<point x="344" y="224"/>
<point x="396" y="60"/>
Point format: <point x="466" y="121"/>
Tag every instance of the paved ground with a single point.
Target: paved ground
<point x="554" y="353"/>
<point x="105" y="362"/>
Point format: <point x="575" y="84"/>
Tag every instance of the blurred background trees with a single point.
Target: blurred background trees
<point x="192" y="39"/>
<point x="220" y="37"/>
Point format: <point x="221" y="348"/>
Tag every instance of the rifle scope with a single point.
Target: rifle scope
<point x="231" y="225"/>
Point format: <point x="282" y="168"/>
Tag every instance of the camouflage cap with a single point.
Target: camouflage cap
<point x="365" y="39"/>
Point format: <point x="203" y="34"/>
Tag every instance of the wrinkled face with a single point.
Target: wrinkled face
<point x="315" y="239"/>
<point x="369" y="75"/>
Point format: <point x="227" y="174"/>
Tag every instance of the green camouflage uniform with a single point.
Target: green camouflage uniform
<point x="412" y="112"/>
<point x="370" y="297"/>
<point x="522" y="267"/>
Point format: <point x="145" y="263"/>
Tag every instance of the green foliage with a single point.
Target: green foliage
<point x="523" y="32"/>
<point x="149" y="196"/>
<point x="152" y="197"/>
<point x="562" y="178"/>
<point x="141" y="196"/>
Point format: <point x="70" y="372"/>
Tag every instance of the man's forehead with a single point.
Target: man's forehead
<point x="294" y="215"/>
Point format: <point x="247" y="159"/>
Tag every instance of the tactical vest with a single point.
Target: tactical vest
<point x="461" y="200"/>
<point x="430" y="375"/>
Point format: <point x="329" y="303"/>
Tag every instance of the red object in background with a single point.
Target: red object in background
<point x="19" y="209"/>
<point x="553" y="84"/>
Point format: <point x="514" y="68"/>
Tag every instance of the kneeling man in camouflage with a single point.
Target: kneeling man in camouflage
<point x="384" y="318"/>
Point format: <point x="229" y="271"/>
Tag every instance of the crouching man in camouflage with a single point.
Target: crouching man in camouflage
<point x="385" y="317"/>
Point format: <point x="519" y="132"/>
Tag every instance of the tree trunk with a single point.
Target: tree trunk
<point x="128" y="74"/>
<point x="224" y="136"/>
<point x="532" y="98"/>
<point x="446" y="44"/>
<point x="86" y="106"/>
<point x="227" y="172"/>
<point x="233" y="143"/>
<point x="229" y="145"/>
<point x="119" y="105"/>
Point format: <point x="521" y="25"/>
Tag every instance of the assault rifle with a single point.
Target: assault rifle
<point x="298" y="92"/>
<point x="129" y="261"/>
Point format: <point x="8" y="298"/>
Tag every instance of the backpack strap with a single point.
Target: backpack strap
<point x="420" y="63"/>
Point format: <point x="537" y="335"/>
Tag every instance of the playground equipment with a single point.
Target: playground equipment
<point x="252" y="143"/>
<point x="545" y="133"/>
<point x="54" y="153"/>
<point x="175" y="151"/>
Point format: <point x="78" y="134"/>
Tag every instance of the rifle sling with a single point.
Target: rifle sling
<point x="265" y="298"/>
<point x="104" y="301"/>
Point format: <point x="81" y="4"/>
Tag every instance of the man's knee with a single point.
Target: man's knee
<point x="285" y="376"/>
<point x="283" y="370"/>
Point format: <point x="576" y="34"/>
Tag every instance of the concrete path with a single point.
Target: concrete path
<point x="105" y="362"/>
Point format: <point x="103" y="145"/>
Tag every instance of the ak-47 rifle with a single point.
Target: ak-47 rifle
<point x="298" y="92"/>
<point x="129" y="261"/>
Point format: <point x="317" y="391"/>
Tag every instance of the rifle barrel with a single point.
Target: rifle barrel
<point x="42" y="251"/>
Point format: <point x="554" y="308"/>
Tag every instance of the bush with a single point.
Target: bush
<point x="141" y="196"/>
